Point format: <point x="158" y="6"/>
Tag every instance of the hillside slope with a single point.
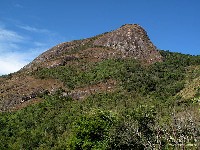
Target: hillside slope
<point x="129" y="41"/>
<point x="111" y="91"/>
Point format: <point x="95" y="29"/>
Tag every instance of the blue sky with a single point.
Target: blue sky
<point x="29" y="27"/>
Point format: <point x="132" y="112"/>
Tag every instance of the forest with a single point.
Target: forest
<point x="147" y="109"/>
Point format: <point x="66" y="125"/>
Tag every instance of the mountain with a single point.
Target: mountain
<point x="129" y="41"/>
<point x="115" y="90"/>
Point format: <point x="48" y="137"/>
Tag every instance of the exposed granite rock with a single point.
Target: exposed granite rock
<point x="133" y="41"/>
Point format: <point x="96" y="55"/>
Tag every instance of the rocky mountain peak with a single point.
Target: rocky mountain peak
<point x="133" y="41"/>
<point x="130" y="40"/>
<point x="23" y="87"/>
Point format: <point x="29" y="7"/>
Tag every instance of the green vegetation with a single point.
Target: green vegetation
<point x="144" y="112"/>
<point x="86" y="74"/>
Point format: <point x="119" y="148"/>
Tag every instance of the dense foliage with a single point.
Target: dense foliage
<point x="144" y="112"/>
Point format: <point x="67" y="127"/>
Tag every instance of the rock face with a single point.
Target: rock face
<point x="132" y="41"/>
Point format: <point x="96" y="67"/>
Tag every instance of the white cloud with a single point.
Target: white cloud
<point x="9" y="36"/>
<point x="7" y="47"/>
<point x="39" y="44"/>
<point x="13" y="56"/>
<point x="33" y="29"/>
<point x="11" y="62"/>
<point x="17" y="50"/>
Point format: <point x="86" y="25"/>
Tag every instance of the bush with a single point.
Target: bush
<point x="91" y="131"/>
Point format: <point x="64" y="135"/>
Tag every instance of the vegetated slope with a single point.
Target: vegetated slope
<point x="122" y="103"/>
<point x="192" y="86"/>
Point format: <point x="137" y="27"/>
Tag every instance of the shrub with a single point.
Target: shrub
<point x="91" y="131"/>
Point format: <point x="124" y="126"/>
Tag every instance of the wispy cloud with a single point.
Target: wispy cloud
<point x="18" y="47"/>
<point x="11" y="62"/>
<point x="10" y="59"/>
<point x="13" y="54"/>
<point x="40" y="44"/>
<point x="14" y="61"/>
<point x="33" y="29"/>
<point x="17" y="5"/>
<point x="9" y="36"/>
